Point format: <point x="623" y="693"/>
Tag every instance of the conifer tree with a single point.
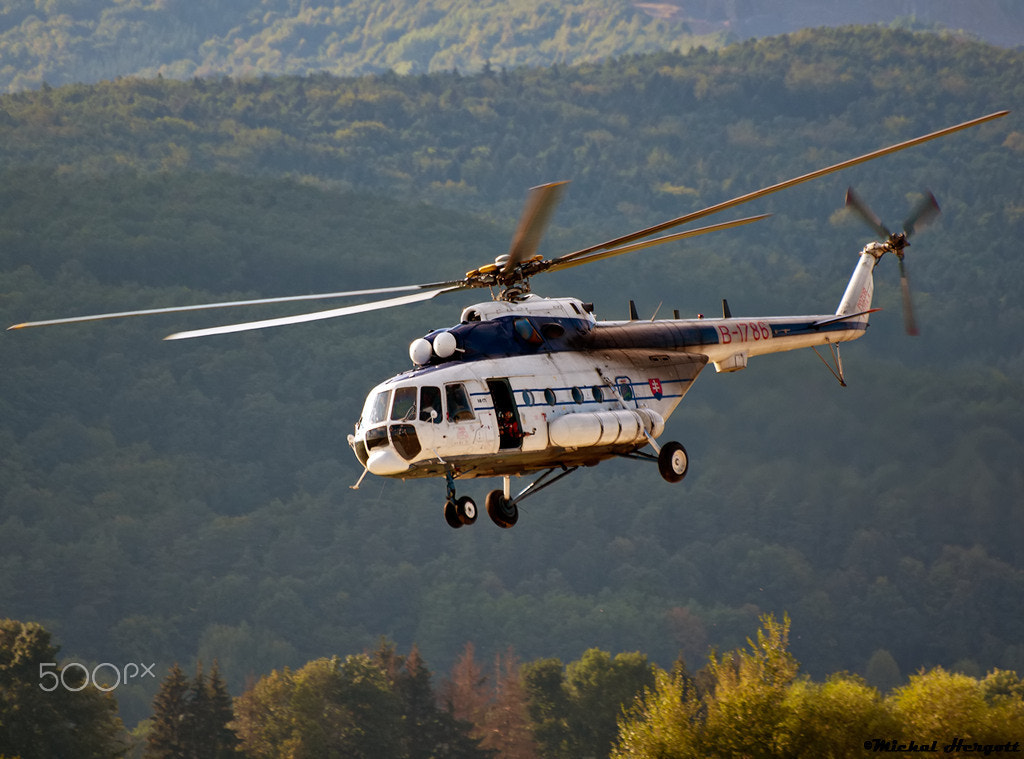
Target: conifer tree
<point x="429" y="730"/>
<point x="166" y="739"/>
<point x="191" y="719"/>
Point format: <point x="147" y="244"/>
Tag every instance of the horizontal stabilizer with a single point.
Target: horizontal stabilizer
<point x="843" y="317"/>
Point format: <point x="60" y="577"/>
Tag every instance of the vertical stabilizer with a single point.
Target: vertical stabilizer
<point x="857" y="298"/>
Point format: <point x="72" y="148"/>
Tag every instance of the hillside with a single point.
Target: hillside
<point x="62" y="42"/>
<point x="161" y="502"/>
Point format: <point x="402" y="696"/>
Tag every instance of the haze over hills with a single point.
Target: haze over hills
<point x="165" y="502"/>
<point x="66" y="41"/>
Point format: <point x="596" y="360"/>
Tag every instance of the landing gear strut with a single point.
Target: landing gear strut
<point x="502" y="507"/>
<point x="458" y="511"/>
<point x="673" y="461"/>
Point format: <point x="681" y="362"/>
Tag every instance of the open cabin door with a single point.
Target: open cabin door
<point x="510" y="428"/>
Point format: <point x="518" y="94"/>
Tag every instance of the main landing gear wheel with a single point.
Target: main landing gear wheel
<point x="673" y="462"/>
<point x="502" y="511"/>
<point x="459" y="512"/>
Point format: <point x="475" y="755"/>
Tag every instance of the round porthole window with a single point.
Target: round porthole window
<point x="549" y="396"/>
<point x="527" y="398"/>
<point x="577" y="395"/>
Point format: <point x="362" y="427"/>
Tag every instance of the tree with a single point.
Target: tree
<point x="506" y="724"/>
<point x="747" y="708"/>
<point x="329" y="707"/>
<point x="191" y="719"/>
<point x="46" y="711"/>
<point x="664" y="723"/>
<point x="547" y="705"/>
<point x="944" y="703"/>
<point x="575" y="711"/>
<point x="831" y="719"/>
<point x="166" y="737"/>
<point x="428" y="730"/>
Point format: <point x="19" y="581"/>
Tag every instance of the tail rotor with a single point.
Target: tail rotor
<point x="923" y="212"/>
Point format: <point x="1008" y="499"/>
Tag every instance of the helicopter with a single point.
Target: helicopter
<point x="538" y="386"/>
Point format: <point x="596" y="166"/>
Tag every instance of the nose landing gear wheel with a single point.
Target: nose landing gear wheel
<point x="465" y="507"/>
<point x="673" y="462"/>
<point x="502" y="511"/>
<point x="451" y="514"/>
<point x="460" y="512"/>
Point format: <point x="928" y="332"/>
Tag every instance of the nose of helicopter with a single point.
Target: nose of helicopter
<point x="384" y="462"/>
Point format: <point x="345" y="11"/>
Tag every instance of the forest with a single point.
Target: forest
<point x="381" y="704"/>
<point x="60" y="42"/>
<point x="65" y="41"/>
<point x="165" y="502"/>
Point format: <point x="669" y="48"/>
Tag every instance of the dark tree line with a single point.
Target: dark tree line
<point x="752" y="701"/>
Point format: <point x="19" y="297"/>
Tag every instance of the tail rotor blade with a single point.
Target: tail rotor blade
<point x="909" y="322"/>
<point x="854" y="201"/>
<point x="922" y="214"/>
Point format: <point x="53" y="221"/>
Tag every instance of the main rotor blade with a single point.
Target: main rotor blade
<point x="315" y="316"/>
<point x="922" y="214"/>
<point x="565" y="262"/>
<point x="540" y="203"/>
<point x="854" y="201"/>
<point x="783" y="185"/>
<point x="229" y="304"/>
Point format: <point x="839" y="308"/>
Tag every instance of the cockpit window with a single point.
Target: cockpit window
<point x="430" y="404"/>
<point x="404" y="407"/>
<point x="376" y="410"/>
<point x="459" y="408"/>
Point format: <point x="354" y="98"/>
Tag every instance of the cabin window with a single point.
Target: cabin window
<point x="577" y="395"/>
<point x="527" y="398"/>
<point x="404" y="407"/>
<point x="430" y="404"/>
<point x="549" y="396"/>
<point x="598" y="392"/>
<point x="459" y="408"/>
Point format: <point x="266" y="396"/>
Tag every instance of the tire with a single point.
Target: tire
<point x="465" y="509"/>
<point x="451" y="514"/>
<point x="502" y="512"/>
<point x="673" y="462"/>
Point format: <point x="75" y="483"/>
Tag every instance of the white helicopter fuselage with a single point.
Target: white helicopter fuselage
<point x="521" y="386"/>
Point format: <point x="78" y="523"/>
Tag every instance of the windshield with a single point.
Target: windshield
<point x="376" y="409"/>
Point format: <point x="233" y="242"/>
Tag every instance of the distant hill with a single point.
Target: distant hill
<point x="64" y="41"/>
<point x="1000" y="22"/>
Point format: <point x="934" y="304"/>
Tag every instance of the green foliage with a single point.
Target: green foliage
<point x="755" y="705"/>
<point x="191" y="719"/>
<point x="381" y="707"/>
<point x="47" y="711"/>
<point x="947" y="703"/>
<point x="747" y="711"/>
<point x="329" y="707"/>
<point x="664" y="722"/>
<point x="87" y="41"/>
<point x="574" y="712"/>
